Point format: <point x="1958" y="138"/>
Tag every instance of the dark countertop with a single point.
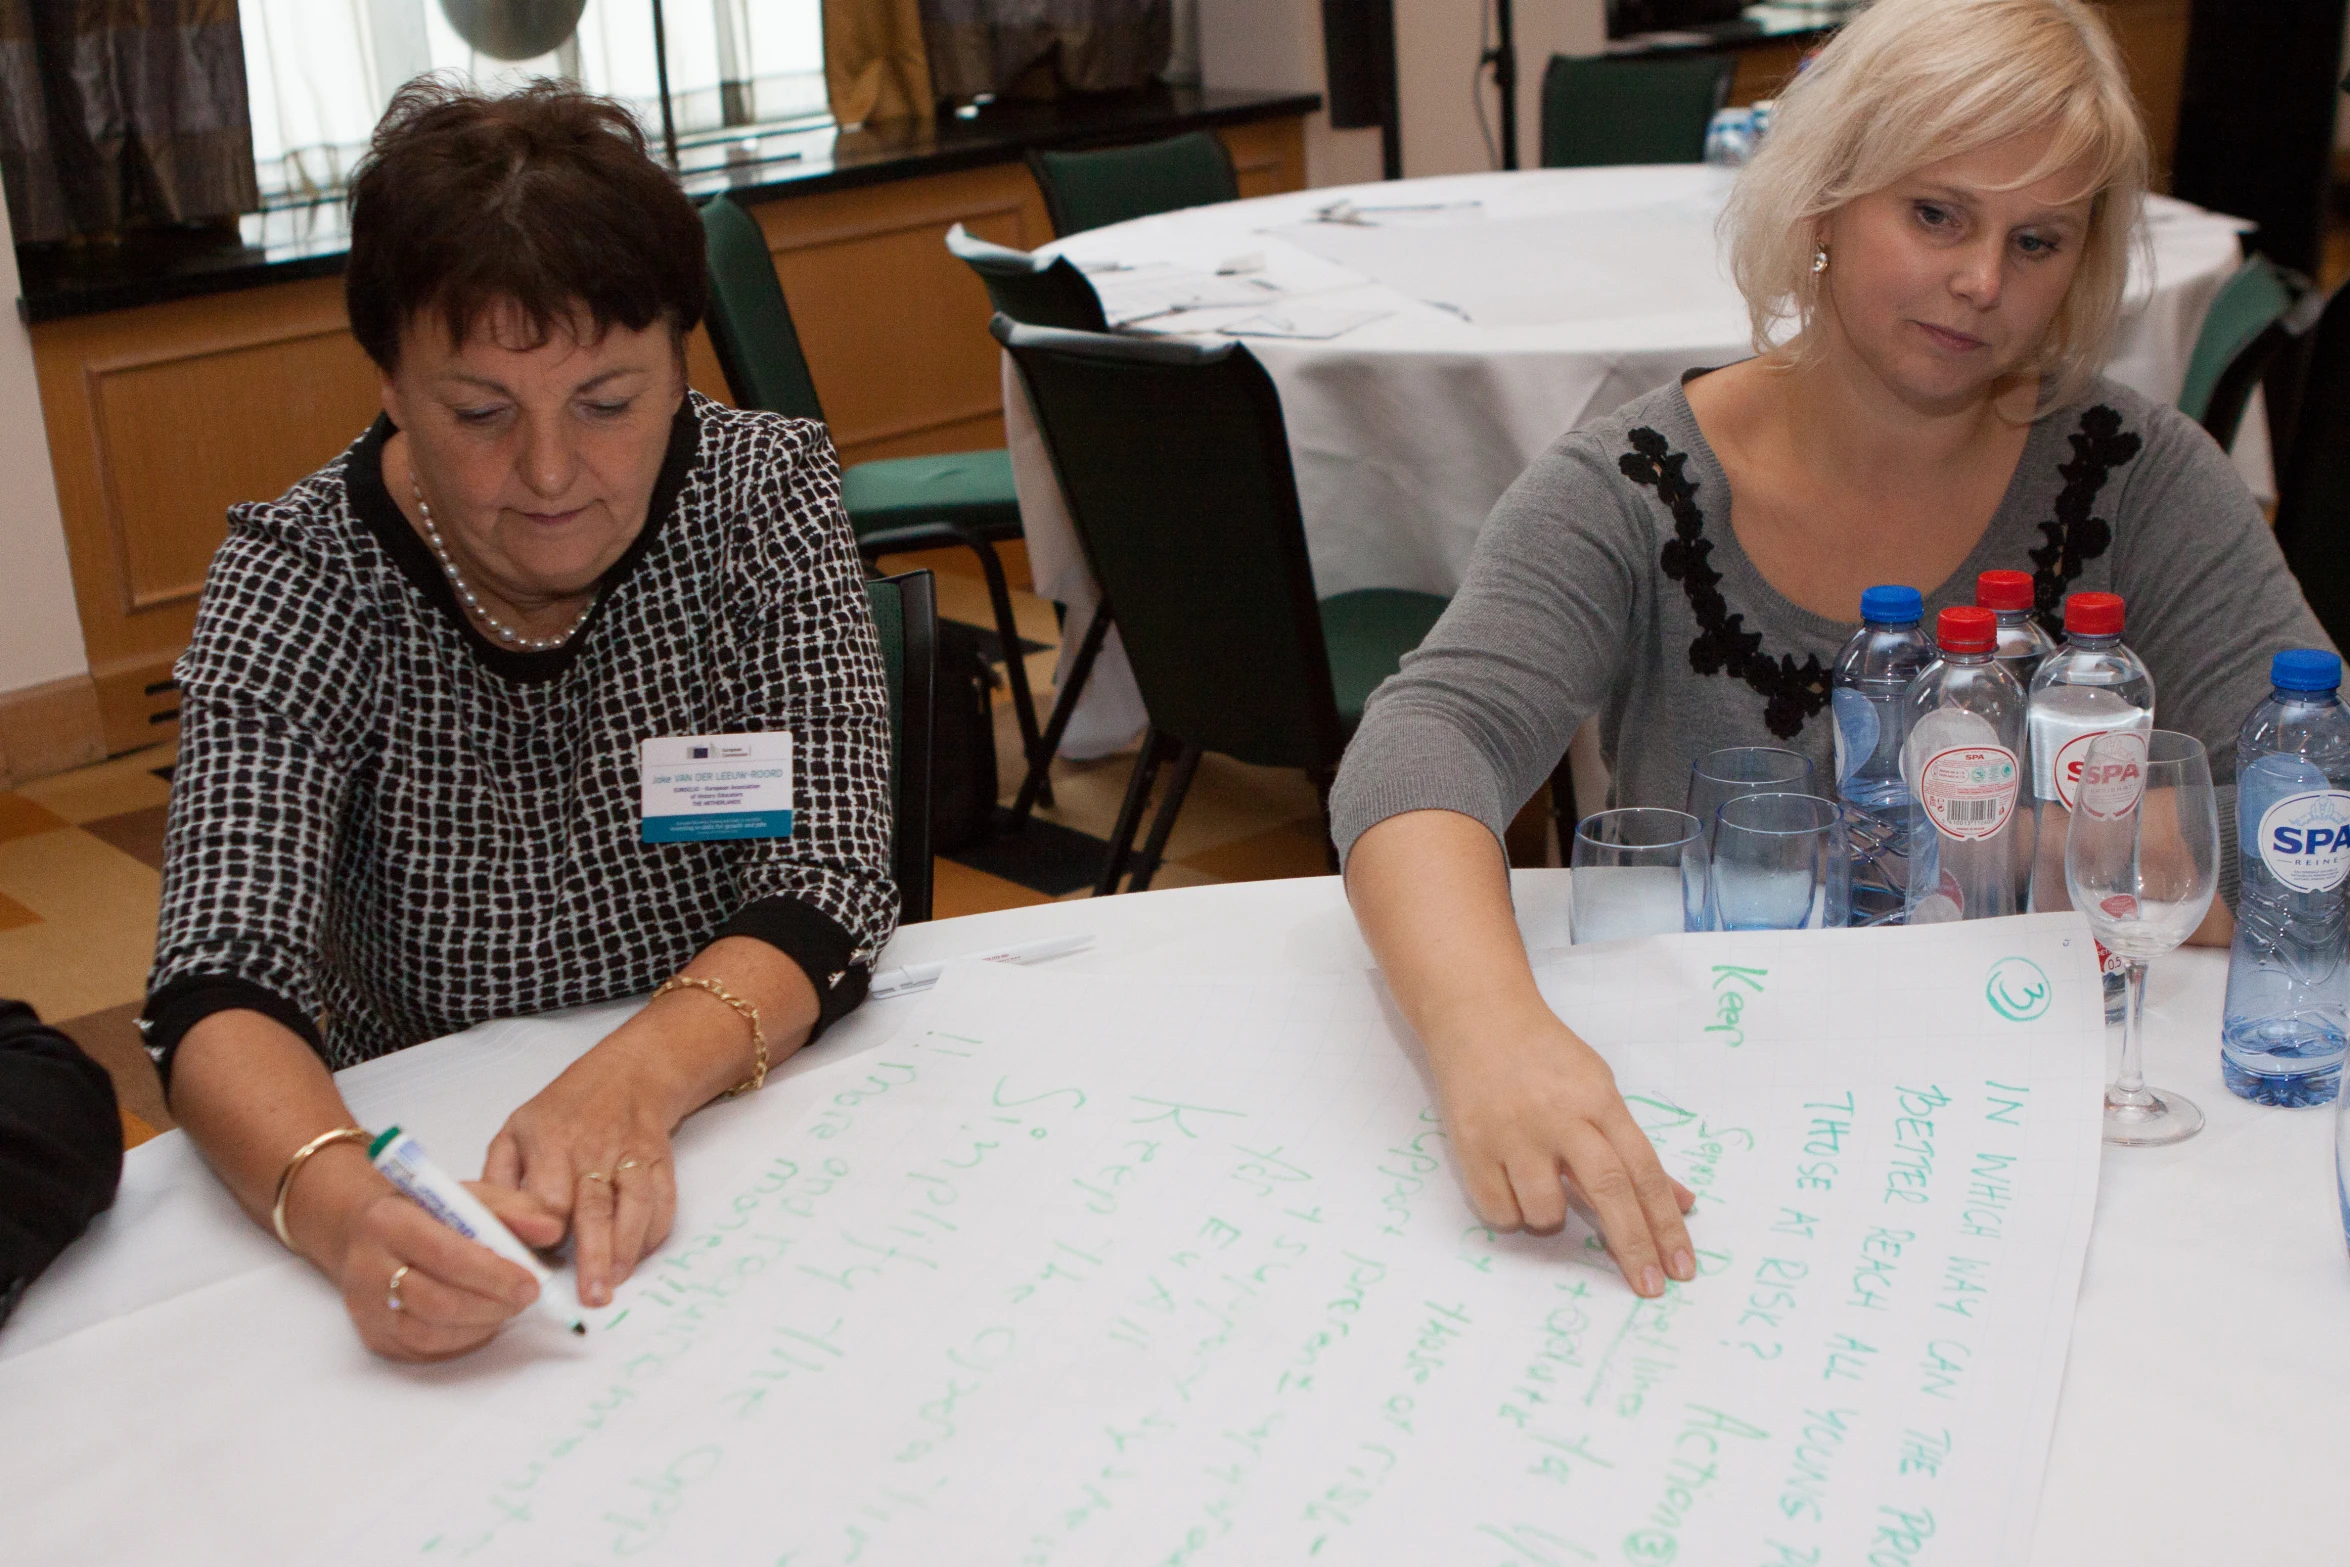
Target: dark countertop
<point x="1783" y="23"/>
<point x="292" y="244"/>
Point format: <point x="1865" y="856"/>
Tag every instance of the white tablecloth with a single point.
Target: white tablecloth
<point x="1519" y="306"/>
<point x="2210" y="1359"/>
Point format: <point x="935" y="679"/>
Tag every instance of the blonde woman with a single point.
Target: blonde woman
<point x="1933" y="245"/>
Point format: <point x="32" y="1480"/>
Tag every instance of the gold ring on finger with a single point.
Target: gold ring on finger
<point x="626" y="1165"/>
<point x="392" y="1290"/>
<point x="594" y="1175"/>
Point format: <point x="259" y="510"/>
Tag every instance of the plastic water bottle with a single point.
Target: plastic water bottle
<point x="2288" y="1007"/>
<point x="2092" y="685"/>
<point x="1962" y="751"/>
<point x="2022" y="644"/>
<point x="1872" y="674"/>
<point x="1730" y="138"/>
<point x="2342" y="1160"/>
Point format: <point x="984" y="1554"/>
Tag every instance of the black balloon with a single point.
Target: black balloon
<point x="514" y="29"/>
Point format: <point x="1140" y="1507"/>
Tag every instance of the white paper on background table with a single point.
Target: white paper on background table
<point x="1085" y="1270"/>
<point x="1146" y="293"/>
<point x="1307" y="323"/>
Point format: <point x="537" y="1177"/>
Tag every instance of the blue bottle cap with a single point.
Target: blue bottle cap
<point x="1893" y="606"/>
<point x="2306" y="669"/>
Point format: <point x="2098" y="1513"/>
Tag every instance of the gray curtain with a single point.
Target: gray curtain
<point x="120" y="114"/>
<point x="1042" y="48"/>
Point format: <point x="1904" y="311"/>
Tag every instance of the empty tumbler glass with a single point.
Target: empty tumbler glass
<point x="1778" y="864"/>
<point x="1637" y="872"/>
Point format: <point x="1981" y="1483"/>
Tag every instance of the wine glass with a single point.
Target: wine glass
<point x="1637" y="872"/>
<point x="1778" y="864"/>
<point x="2141" y="862"/>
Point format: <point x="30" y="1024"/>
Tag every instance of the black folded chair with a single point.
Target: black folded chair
<point x="1175" y="463"/>
<point x="905" y="617"/>
<point x="1033" y="290"/>
<point x="2313" y="474"/>
<point x="1091" y="190"/>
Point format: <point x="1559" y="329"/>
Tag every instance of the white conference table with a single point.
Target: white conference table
<point x="2210" y="1359"/>
<point x="1509" y="309"/>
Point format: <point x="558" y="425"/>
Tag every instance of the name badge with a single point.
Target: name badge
<point x="707" y="787"/>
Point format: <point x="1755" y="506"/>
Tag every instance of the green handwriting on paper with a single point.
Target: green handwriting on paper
<point x="1732" y="985"/>
<point x="1167" y="1290"/>
<point x="2018" y="989"/>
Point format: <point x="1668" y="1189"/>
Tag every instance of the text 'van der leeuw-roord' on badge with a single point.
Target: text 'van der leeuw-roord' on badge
<point x="698" y="788"/>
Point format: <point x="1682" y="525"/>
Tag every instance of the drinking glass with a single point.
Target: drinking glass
<point x="2141" y="861"/>
<point x="1637" y="872"/>
<point x="1778" y="864"/>
<point x="1724" y="775"/>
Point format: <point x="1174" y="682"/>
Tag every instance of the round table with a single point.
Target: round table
<point x="2208" y="1352"/>
<point x="1505" y="309"/>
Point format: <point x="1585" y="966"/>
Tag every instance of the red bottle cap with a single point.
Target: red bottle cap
<point x="2093" y="615"/>
<point x="2003" y="590"/>
<point x="1965" y="630"/>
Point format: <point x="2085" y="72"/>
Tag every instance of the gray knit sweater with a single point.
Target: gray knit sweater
<point x="1609" y="581"/>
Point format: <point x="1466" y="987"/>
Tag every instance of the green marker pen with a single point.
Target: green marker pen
<point x="403" y="1162"/>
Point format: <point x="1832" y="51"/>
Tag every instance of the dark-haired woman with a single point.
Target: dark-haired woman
<point x="408" y="796"/>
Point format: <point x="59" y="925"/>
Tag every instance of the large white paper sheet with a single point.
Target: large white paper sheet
<point x="1092" y="1270"/>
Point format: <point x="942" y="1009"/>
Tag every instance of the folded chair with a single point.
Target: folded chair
<point x="1175" y="463"/>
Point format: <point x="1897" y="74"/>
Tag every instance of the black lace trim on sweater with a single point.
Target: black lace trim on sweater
<point x="1791" y="692"/>
<point x="2075" y="537"/>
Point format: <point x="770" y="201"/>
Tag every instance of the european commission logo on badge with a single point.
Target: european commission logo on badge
<point x="704" y="788"/>
<point x="2305" y="840"/>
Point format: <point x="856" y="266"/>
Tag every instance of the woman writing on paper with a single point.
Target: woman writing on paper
<point x="1933" y="245"/>
<point x="413" y="714"/>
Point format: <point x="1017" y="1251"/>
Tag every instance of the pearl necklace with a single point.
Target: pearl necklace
<point x="465" y="594"/>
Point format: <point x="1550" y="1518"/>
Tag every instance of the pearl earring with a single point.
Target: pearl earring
<point x="1819" y="259"/>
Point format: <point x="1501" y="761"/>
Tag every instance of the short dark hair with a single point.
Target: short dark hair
<point x="544" y="199"/>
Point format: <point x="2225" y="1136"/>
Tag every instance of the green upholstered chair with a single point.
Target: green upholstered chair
<point x="1601" y="110"/>
<point x="1029" y="288"/>
<point x="2242" y="334"/>
<point x="905" y="617"/>
<point x="897" y="503"/>
<point x="1175" y="463"/>
<point x="1091" y="190"/>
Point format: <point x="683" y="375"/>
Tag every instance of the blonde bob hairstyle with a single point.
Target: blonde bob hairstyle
<point x="1909" y="83"/>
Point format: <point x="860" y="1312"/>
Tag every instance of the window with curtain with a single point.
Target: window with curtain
<point x="319" y="72"/>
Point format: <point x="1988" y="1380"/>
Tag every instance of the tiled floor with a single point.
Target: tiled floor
<point x="80" y="856"/>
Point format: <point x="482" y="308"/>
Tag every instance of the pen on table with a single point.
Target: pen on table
<point x="921" y="976"/>
<point x="403" y="1162"/>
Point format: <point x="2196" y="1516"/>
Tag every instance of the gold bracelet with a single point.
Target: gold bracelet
<point x="750" y="1014"/>
<point x="285" y="1180"/>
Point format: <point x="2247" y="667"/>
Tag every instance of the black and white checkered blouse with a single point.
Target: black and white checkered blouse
<point x="385" y="823"/>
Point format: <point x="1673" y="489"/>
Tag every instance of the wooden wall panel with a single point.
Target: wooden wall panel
<point x="894" y="327"/>
<point x="1269" y="157"/>
<point x="159" y="420"/>
<point x="182" y="435"/>
<point x="2153" y="39"/>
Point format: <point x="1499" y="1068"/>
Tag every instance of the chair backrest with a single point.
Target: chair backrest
<point x="1090" y="190"/>
<point x="1603" y="110"/>
<point x="2313" y="482"/>
<point x="1175" y="465"/>
<point x="1030" y="289"/>
<point x="2240" y="336"/>
<point x="750" y="325"/>
<point x="905" y="616"/>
